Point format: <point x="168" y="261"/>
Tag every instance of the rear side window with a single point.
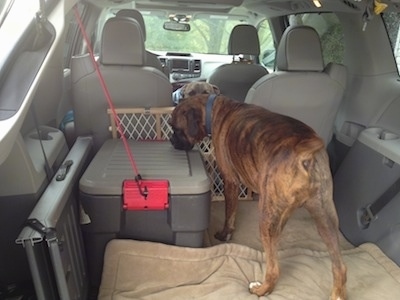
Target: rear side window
<point x="330" y="31"/>
<point x="267" y="48"/>
<point x="392" y="23"/>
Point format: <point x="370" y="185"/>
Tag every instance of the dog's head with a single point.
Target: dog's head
<point x="198" y="88"/>
<point x="194" y="88"/>
<point x="188" y="122"/>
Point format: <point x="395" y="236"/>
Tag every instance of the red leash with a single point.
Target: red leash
<point x="117" y="121"/>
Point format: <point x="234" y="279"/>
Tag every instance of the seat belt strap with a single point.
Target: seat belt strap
<point x="370" y="212"/>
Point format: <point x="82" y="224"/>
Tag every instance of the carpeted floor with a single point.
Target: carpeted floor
<point x="300" y="231"/>
<point x="146" y="270"/>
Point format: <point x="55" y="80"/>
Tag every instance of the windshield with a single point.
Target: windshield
<point x="209" y="34"/>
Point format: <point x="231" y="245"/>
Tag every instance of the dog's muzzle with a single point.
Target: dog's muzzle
<point x="180" y="143"/>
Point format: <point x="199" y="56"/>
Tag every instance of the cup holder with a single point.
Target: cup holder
<point x="42" y="134"/>
<point x="382" y="134"/>
<point x="387" y="136"/>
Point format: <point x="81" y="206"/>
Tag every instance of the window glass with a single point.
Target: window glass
<point x="209" y="35"/>
<point x="392" y="22"/>
<point x="15" y="17"/>
<point x="330" y="31"/>
<point x="72" y="30"/>
<point x="267" y="49"/>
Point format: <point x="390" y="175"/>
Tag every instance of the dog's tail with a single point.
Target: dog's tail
<point x="307" y="150"/>
<point x="314" y="161"/>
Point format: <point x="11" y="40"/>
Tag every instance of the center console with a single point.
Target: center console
<point x="181" y="66"/>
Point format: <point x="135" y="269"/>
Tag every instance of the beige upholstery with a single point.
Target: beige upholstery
<point x="236" y="78"/>
<point x="129" y="81"/>
<point x="303" y="87"/>
<point x="151" y="58"/>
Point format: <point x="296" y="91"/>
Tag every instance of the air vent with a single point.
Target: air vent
<point x="301" y="5"/>
<point x="163" y="61"/>
<point x="177" y="54"/>
<point x="351" y="4"/>
<point x="197" y="66"/>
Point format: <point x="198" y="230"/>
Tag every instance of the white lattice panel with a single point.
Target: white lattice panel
<point x="153" y="124"/>
<point x="143" y="123"/>
<point x="207" y="151"/>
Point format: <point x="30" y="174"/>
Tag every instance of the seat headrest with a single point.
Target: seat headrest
<point x="134" y="14"/>
<point x="122" y="43"/>
<point x="244" y="40"/>
<point x="300" y="50"/>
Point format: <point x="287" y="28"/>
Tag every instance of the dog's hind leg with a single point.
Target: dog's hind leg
<point x="231" y="193"/>
<point x="322" y="209"/>
<point x="326" y="220"/>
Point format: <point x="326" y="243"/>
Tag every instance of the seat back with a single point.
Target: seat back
<point x="236" y="78"/>
<point x="129" y="82"/>
<point x="303" y="87"/>
<point x="151" y="58"/>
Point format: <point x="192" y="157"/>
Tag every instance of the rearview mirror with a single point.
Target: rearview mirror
<point x="176" y="26"/>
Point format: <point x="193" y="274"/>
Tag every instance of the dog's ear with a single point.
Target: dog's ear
<point x="193" y="119"/>
<point x="182" y="90"/>
<point x="177" y="96"/>
<point x="216" y="89"/>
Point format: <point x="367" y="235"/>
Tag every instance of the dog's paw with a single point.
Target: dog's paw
<point x="254" y="284"/>
<point x="259" y="289"/>
<point x="224" y="235"/>
<point x="337" y="298"/>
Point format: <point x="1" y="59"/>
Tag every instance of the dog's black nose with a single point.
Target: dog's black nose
<point x="180" y="144"/>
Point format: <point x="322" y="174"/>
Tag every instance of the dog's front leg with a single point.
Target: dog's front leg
<point x="231" y="194"/>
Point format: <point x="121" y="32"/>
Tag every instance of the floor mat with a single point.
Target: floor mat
<point x="146" y="270"/>
<point x="300" y="231"/>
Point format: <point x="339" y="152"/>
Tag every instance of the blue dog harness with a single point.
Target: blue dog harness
<point x="209" y="106"/>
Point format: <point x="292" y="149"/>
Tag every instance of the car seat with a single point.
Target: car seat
<point x="236" y="78"/>
<point x="303" y="87"/>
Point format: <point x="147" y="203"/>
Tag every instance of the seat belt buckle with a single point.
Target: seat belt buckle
<point x="367" y="216"/>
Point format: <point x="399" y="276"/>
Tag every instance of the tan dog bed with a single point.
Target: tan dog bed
<point x="145" y="270"/>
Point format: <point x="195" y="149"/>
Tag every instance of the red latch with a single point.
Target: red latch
<point x="145" y="194"/>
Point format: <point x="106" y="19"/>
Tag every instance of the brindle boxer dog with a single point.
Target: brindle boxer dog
<point x="280" y="158"/>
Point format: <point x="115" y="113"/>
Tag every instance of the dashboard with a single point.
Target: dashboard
<point x="188" y="66"/>
<point x="182" y="67"/>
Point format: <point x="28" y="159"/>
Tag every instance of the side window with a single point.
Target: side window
<point x="392" y="23"/>
<point x="267" y="48"/>
<point x="69" y="39"/>
<point x="71" y="34"/>
<point x="330" y="31"/>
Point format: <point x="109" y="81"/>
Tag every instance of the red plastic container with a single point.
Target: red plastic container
<point x="145" y="194"/>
